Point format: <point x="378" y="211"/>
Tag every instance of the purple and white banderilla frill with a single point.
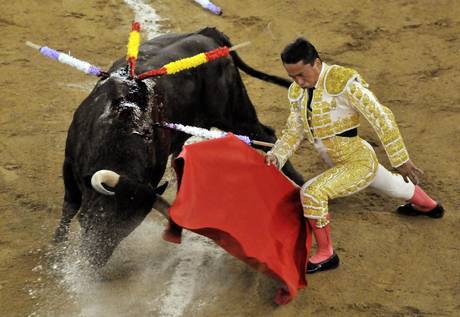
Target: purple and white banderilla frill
<point x="210" y="6"/>
<point x="67" y="59"/>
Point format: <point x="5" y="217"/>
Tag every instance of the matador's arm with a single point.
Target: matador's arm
<point x="382" y="120"/>
<point x="290" y="139"/>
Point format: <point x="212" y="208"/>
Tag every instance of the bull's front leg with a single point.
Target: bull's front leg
<point x="162" y="205"/>
<point x="72" y="202"/>
<point x="69" y="211"/>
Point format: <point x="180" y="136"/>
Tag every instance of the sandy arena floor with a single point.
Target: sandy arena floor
<point x="391" y="266"/>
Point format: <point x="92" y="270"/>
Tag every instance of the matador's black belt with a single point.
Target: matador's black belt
<point x="349" y="133"/>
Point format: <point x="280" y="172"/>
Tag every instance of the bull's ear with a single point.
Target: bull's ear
<point x="161" y="189"/>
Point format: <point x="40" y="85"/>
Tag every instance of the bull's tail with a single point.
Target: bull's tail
<point x="222" y="40"/>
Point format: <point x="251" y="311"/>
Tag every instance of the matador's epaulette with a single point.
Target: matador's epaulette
<point x="337" y="78"/>
<point x="295" y="92"/>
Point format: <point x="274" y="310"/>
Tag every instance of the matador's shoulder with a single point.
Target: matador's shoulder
<point x="338" y="77"/>
<point x="295" y="92"/>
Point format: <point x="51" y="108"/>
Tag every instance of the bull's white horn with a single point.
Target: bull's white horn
<point x="107" y="177"/>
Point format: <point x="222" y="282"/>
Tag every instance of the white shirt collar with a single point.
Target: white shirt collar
<point x="321" y="73"/>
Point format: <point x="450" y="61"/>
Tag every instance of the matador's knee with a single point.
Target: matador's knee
<point x="315" y="203"/>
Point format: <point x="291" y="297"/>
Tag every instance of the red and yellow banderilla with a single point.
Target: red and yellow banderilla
<point x="133" y="47"/>
<point x="191" y="62"/>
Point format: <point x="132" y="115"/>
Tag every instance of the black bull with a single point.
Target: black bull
<point x="114" y="129"/>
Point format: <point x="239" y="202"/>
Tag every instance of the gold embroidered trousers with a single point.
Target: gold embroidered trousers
<point x="355" y="167"/>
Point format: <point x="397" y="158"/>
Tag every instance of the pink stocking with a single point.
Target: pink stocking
<point x="421" y="201"/>
<point x="323" y="243"/>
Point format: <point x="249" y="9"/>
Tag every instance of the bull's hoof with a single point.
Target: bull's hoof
<point x="173" y="233"/>
<point x="409" y="210"/>
<point x="61" y="234"/>
<point x="171" y="236"/>
<point x="282" y="296"/>
<point x="329" y="264"/>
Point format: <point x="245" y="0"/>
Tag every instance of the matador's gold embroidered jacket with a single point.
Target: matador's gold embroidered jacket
<point x="340" y="96"/>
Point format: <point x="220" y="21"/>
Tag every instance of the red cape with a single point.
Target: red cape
<point x="227" y="193"/>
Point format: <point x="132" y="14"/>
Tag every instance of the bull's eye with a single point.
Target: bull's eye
<point x="146" y="134"/>
<point x="116" y="103"/>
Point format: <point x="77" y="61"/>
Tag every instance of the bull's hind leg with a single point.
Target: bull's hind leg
<point x="72" y="202"/>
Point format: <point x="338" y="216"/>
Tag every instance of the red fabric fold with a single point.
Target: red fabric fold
<point x="227" y="193"/>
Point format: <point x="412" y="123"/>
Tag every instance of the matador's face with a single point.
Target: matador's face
<point x="305" y="75"/>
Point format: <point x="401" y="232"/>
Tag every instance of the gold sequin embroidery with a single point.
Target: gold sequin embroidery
<point x="355" y="168"/>
<point x="337" y="79"/>
<point x="382" y="120"/>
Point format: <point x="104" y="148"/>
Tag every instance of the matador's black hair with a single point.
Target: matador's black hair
<point x="299" y="50"/>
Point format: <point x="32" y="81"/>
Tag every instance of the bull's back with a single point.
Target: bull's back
<point x="180" y="90"/>
<point x="167" y="48"/>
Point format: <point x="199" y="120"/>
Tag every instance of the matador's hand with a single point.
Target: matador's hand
<point x="271" y="159"/>
<point x="409" y="171"/>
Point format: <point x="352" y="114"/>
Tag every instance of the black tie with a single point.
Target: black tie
<point x="310" y="97"/>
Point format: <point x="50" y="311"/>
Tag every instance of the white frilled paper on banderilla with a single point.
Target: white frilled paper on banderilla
<point x="203" y="133"/>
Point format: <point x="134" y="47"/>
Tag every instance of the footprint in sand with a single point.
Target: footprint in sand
<point x="7" y="172"/>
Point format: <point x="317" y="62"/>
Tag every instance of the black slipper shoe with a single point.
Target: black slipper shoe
<point x="329" y="264"/>
<point x="409" y="210"/>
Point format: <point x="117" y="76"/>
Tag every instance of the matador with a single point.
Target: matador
<point x="326" y="102"/>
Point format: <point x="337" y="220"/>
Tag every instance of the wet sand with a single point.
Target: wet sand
<point x="391" y="265"/>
